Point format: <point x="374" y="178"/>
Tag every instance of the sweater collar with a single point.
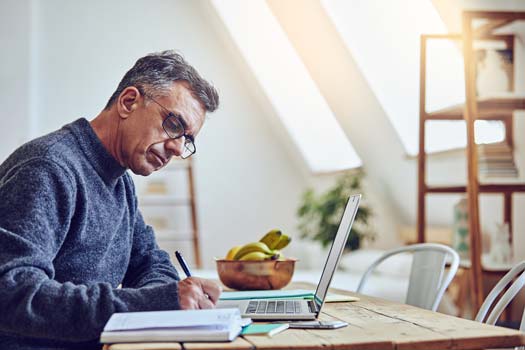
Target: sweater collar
<point x="103" y="162"/>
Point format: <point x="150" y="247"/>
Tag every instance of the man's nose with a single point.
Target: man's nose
<point x="175" y="146"/>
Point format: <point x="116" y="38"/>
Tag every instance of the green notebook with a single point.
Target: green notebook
<point x="268" y="329"/>
<point x="284" y="294"/>
<point x="268" y="294"/>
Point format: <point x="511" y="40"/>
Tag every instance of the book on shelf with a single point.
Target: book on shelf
<point x="173" y="326"/>
<point x="496" y="160"/>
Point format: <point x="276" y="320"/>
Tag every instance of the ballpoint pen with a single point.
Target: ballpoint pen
<point x="185" y="267"/>
<point x="183" y="264"/>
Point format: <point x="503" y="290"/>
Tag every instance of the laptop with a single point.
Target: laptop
<point x="300" y="309"/>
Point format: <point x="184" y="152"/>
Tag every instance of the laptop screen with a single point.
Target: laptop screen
<point x="336" y="250"/>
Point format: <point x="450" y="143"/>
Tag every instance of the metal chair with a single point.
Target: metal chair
<point x="427" y="282"/>
<point x="506" y="298"/>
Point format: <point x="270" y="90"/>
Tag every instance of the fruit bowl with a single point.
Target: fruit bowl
<point x="255" y="274"/>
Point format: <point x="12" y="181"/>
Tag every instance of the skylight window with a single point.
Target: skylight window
<point x="285" y="80"/>
<point x="384" y="39"/>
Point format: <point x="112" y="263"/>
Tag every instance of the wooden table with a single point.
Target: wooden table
<point x="373" y="324"/>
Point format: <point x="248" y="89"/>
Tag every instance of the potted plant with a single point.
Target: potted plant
<point x="319" y="215"/>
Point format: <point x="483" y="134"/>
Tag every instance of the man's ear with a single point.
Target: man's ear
<point x="128" y="101"/>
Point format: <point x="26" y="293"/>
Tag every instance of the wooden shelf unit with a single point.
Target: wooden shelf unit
<point x="487" y="108"/>
<point x="169" y="237"/>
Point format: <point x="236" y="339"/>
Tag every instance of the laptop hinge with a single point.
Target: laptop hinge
<point x="312" y="306"/>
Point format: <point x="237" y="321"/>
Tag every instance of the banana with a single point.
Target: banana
<point x="256" y="256"/>
<point x="232" y="252"/>
<point x="252" y="247"/>
<point x="284" y="240"/>
<point x="277" y="255"/>
<point x="271" y="238"/>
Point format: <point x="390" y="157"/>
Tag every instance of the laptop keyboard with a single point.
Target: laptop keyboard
<point x="274" y="307"/>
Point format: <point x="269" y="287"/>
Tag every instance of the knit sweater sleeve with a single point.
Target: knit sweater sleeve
<point x="37" y="201"/>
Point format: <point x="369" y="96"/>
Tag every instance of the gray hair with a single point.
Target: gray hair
<point x="155" y="73"/>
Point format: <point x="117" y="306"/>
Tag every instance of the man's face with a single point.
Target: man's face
<point x="145" y="146"/>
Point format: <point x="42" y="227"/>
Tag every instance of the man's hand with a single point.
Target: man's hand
<point x="198" y="293"/>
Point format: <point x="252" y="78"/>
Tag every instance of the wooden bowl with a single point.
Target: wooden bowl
<point x="252" y="275"/>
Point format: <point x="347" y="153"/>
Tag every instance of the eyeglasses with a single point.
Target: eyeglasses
<point x="173" y="125"/>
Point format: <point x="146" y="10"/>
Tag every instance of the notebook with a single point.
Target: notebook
<point x="174" y="326"/>
<point x="285" y="294"/>
<point x="267" y="329"/>
<point x="296" y="308"/>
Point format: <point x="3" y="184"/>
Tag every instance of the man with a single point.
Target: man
<point x="70" y="230"/>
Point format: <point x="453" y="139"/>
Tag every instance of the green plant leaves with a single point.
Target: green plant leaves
<point x="319" y="215"/>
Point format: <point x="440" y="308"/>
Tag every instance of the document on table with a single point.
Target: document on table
<point x="179" y="326"/>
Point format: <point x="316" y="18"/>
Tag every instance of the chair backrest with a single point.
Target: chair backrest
<point x="427" y="284"/>
<point x="506" y="298"/>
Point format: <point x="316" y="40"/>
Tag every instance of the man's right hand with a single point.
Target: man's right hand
<point x="198" y="293"/>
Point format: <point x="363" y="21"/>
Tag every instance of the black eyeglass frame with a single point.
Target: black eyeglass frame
<point x="189" y="141"/>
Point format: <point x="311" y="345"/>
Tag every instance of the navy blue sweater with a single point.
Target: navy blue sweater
<point x="70" y="233"/>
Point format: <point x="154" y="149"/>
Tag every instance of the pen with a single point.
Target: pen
<point x="185" y="268"/>
<point x="183" y="264"/>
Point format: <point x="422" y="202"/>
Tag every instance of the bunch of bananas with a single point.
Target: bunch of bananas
<point x="267" y="248"/>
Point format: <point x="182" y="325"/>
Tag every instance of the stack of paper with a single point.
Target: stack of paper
<point x="177" y="326"/>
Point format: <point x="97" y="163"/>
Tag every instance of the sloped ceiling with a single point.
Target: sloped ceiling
<point x="358" y="111"/>
<point x="302" y="109"/>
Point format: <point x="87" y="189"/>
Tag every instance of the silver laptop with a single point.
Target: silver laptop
<point x="298" y="309"/>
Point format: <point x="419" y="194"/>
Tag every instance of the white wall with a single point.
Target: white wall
<point x="15" y="30"/>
